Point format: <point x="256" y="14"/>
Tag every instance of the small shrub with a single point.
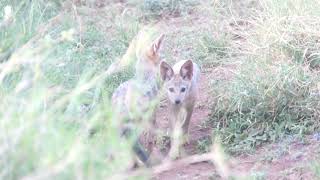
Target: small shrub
<point x="204" y="145"/>
<point x="265" y="102"/>
<point x="155" y="8"/>
<point x="210" y="50"/>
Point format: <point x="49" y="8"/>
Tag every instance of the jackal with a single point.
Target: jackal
<point x="181" y="86"/>
<point x="136" y="99"/>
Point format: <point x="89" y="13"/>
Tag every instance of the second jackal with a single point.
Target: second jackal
<point x="136" y="99"/>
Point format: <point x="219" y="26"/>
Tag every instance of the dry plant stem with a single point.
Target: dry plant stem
<point x="167" y="165"/>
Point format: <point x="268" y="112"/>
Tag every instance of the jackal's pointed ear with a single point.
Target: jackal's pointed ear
<point x="166" y="72"/>
<point x="156" y="45"/>
<point x="186" y="71"/>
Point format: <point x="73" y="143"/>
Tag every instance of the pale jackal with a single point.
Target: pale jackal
<point x="181" y="86"/>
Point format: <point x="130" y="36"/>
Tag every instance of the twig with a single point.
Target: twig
<point x="167" y="165"/>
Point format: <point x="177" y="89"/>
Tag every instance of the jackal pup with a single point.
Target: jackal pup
<point x="181" y="86"/>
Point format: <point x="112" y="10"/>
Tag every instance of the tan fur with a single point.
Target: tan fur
<point x="139" y="48"/>
<point x="181" y="86"/>
<point x="135" y="99"/>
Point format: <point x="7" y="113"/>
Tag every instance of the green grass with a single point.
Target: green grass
<point x="153" y="9"/>
<point x="211" y="51"/>
<point x="53" y="93"/>
<point x="53" y="90"/>
<point x="265" y="102"/>
<point x="315" y="167"/>
<point x="274" y="91"/>
<point x="204" y="145"/>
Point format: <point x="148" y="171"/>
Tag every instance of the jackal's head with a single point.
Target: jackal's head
<point x="149" y="56"/>
<point x="177" y="85"/>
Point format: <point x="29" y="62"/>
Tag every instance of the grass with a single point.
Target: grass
<point x="53" y="93"/>
<point x="273" y="92"/>
<point x="265" y="104"/>
<point x="315" y="167"/>
<point x="212" y="51"/>
<point x="53" y="90"/>
<point x="204" y="145"/>
<point x="153" y="9"/>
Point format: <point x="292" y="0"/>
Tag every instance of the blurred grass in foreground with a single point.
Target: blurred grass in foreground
<point x="53" y="92"/>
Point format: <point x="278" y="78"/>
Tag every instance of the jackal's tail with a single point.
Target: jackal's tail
<point x="137" y="147"/>
<point x="142" y="154"/>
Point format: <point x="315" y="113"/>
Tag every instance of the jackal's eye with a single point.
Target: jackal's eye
<point x="171" y="89"/>
<point x="183" y="89"/>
